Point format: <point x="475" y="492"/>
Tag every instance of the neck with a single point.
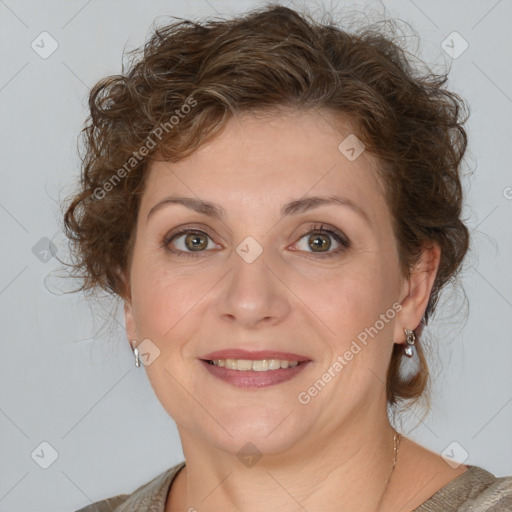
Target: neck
<point x="348" y="469"/>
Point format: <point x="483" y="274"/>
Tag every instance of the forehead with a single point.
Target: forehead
<point x="265" y="160"/>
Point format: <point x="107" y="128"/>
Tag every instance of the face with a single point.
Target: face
<point x="259" y="278"/>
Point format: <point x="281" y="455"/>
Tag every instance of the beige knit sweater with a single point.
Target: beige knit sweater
<point x="475" y="490"/>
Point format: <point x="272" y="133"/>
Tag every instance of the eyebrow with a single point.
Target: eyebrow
<point x="292" y="208"/>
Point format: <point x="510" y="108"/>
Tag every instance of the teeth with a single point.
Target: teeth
<point x="261" y="365"/>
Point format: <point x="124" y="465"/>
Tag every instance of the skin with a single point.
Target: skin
<point x="336" y="452"/>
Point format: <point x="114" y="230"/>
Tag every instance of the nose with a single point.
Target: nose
<point x="253" y="294"/>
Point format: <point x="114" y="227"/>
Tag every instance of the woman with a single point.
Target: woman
<point x="277" y="202"/>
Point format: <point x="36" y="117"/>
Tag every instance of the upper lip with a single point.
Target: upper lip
<point x="237" y="353"/>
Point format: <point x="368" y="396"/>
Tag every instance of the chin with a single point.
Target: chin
<point x="273" y="433"/>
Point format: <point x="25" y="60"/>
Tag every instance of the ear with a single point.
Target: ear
<point x="415" y="292"/>
<point x="129" y="317"/>
<point x="131" y="331"/>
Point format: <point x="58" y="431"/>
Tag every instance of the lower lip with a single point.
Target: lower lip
<point x="252" y="379"/>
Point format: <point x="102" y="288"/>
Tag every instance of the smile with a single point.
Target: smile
<point x="256" y="374"/>
<point x="257" y="365"/>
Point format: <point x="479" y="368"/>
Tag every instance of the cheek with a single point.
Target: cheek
<point x="162" y="298"/>
<point x="350" y="303"/>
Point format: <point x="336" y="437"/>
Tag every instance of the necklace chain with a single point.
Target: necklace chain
<point x="396" y="444"/>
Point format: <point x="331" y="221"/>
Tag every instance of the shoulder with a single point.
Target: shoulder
<point x="153" y="493"/>
<point x="475" y="490"/>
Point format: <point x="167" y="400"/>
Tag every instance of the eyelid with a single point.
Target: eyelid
<point x="327" y="228"/>
<point x="182" y="228"/>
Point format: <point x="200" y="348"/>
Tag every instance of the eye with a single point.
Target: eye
<point x="319" y="240"/>
<point x="188" y="241"/>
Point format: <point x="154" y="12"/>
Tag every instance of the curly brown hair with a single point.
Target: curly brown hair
<point x="269" y="58"/>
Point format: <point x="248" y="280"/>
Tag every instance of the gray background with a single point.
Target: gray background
<point x="67" y="382"/>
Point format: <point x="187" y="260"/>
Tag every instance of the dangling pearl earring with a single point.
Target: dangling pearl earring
<point x="410" y="339"/>
<point x="136" y="353"/>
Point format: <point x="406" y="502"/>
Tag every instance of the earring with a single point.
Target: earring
<point x="410" y="339"/>
<point x="136" y="353"/>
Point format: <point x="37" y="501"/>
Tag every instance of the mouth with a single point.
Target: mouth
<point x="254" y="373"/>
<point x="256" y="365"/>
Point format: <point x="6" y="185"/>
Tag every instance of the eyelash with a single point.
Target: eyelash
<point x="315" y="230"/>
